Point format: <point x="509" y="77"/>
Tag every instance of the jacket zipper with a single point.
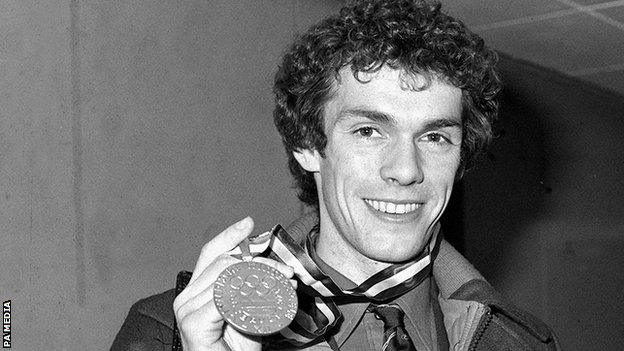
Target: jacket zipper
<point x="485" y="321"/>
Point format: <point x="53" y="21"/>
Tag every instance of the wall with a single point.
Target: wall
<point x="130" y="134"/>
<point x="543" y="212"/>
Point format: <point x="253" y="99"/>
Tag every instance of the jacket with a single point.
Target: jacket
<point x="476" y="317"/>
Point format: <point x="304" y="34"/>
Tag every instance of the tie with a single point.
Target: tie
<point x="395" y="335"/>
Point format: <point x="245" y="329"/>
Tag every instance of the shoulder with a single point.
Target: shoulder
<point x="148" y="325"/>
<point x="158" y="307"/>
<point x="503" y="326"/>
<point x="477" y="316"/>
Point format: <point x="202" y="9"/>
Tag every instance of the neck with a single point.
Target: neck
<point x="339" y="254"/>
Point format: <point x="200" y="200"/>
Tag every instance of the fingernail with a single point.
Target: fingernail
<point x="242" y="224"/>
<point x="261" y="238"/>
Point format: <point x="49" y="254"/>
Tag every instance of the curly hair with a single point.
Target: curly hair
<point x="411" y="35"/>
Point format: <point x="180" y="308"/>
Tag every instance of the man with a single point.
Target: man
<point x="380" y="108"/>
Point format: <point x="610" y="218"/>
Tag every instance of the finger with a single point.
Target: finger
<point x="204" y="323"/>
<point x="223" y="242"/>
<point x="239" y="341"/>
<point x="205" y="326"/>
<point x="183" y="309"/>
<point x="285" y="269"/>
<point x="207" y="277"/>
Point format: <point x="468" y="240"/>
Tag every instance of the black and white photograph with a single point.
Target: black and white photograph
<point x="337" y="175"/>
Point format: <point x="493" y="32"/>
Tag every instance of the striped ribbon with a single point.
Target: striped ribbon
<point x="317" y="312"/>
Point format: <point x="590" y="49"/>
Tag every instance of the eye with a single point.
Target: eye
<point x="366" y="132"/>
<point x="435" y="138"/>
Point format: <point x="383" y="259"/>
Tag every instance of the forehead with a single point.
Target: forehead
<point x="408" y="97"/>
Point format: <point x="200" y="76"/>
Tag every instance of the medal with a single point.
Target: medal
<point x="255" y="298"/>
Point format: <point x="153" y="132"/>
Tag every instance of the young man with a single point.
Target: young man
<point x="380" y="108"/>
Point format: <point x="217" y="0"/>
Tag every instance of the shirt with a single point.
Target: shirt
<point x="359" y="330"/>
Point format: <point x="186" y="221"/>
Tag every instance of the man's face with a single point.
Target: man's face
<point x="389" y="165"/>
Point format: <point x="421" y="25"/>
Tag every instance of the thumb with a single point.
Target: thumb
<point x="222" y="243"/>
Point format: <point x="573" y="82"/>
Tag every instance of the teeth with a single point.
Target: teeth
<point x="389" y="207"/>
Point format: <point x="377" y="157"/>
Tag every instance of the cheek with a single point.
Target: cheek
<point x="343" y="181"/>
<point x="330" y="180"/>
<point x="341" y="168"/>
<point x="443" y="169"/>
<point x="335" y="183"/>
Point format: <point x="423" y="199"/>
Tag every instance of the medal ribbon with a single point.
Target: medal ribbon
<point x="317" y="312"/>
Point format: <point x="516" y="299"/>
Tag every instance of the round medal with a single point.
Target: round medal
<point x="255" y="298"/>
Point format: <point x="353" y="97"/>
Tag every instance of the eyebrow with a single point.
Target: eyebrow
<point x="382" y="117"/>
<point x="375" y="116"/>
<point x="443" y="122"/>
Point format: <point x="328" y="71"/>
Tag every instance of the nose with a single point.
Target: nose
<point x="402" y="165"/>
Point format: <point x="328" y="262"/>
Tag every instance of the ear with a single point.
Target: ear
<point x="310" y="160"/>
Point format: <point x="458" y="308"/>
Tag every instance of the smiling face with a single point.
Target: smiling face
<point x="388" y="171"/>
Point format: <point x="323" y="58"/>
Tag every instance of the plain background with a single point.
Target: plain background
<point x="132" y="132"/>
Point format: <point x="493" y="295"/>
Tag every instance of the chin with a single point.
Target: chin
<point x="391" y="255"/>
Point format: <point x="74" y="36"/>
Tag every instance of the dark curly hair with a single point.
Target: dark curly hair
<point x="412" y="35"/>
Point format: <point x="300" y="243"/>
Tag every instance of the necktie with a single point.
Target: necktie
<point x="395" y="335"/>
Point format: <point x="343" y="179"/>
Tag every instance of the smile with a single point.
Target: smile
<point x="391" y="207"/>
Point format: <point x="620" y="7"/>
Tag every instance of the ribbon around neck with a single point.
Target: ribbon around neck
<point x="317" y="312"/>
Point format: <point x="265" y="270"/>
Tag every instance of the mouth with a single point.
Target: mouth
<point x="393" y="207"/>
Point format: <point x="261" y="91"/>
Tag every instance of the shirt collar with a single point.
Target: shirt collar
<point x="419" y="319"/>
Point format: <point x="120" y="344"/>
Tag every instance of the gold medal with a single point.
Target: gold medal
<point x="255" y="298"/>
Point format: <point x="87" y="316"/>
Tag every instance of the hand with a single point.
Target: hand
<point x="200" y="324"/>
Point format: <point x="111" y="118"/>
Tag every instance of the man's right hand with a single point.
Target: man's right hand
<point x="200" y="323"/>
